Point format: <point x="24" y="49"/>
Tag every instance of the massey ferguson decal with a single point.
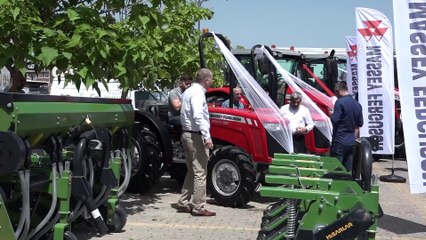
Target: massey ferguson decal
<point x="375" y="79"/>
<point x="227" y="117"/>
<point x="373" y="29"/>
<point x="352" y="65"/>
<point x="410" y="35"/>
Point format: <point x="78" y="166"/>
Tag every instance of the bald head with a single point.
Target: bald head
<point x="205" y="77"/>
<point x="204" y="74"/>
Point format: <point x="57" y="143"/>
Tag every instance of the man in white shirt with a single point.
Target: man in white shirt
<point x="196" y="140"/>
<point x="300" y="121"/>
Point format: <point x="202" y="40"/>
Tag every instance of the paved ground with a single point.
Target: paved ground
<point x="152" y="217"/>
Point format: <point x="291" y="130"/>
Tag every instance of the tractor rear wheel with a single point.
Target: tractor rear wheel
<point x="231" y="176"/>
<point x="151" y="165"/>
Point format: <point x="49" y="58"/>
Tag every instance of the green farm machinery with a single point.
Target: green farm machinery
<point x="319" y="199"/>
<point x="63" y="160"/>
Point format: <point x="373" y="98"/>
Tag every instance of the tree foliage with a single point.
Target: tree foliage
<point x="93" y="41"/>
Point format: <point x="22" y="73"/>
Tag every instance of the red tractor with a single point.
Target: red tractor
<point x="321" y="71"/>
<point x="244" y="145"/>
<point x="266" y="75"/>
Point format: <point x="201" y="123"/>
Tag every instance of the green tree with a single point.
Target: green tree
<point x="93" y="41"/>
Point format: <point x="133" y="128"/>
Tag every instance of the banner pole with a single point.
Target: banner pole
<point x="392" y="177"/>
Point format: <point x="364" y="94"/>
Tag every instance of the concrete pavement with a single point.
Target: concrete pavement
<point x="151" y="215"/>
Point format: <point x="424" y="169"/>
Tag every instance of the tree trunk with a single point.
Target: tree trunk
<point x="124" y="93"/>
<point x="17" y="80"/>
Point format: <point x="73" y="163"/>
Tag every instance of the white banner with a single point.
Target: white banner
<point x="375" y="79"/>
<point x="410" y="37"/>
<point x="351" y="65"/>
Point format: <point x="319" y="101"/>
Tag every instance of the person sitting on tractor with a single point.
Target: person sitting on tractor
<point x="300" y="121"/>
<point x="175" y="96"/>
<point x="236" y="100"/>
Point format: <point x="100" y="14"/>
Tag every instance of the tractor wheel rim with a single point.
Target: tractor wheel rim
<point x="226" y="177"/>
<point x="136" y="160"/>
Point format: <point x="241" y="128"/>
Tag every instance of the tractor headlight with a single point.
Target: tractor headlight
<point x="273" y="126"/>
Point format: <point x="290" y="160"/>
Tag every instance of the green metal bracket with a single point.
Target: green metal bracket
<point x="6" y="229"/>
<point x="113" y="197"/>
<point x="296" y="171"/>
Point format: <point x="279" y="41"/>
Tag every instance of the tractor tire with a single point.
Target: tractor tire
<point x="151" y="164"/>
<point x="231" y="177"/>
<point x="135" y="157"/>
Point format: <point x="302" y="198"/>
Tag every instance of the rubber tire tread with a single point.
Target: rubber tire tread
<point x="150" y="171"/>
<point x="247" y="185"/>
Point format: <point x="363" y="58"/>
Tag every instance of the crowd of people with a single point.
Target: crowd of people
<point x="188" y="108"/>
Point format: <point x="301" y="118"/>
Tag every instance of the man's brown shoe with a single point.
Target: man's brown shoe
<point x="203" y="213"/>
<point x="183" y="209"/>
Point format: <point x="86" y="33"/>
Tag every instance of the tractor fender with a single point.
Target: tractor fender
<point x="159" y="128"/>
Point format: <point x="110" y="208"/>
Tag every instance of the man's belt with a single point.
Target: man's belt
<point x="196" y="132"/>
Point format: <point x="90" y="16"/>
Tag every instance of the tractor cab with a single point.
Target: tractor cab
<point x="265" y="73"/>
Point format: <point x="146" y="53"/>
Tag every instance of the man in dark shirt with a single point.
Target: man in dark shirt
<point x="346" y="119"/>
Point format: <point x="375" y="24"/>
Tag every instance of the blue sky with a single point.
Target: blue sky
<point x="300" y="23"/>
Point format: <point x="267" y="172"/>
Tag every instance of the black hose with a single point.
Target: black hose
<point x="80" y="151"/>
<point x="107" y="175"/>
<point x="48" y="227"/>
<point x="80" y="186"/>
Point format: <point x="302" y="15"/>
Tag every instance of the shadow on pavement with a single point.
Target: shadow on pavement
<point x="380" y="160"/>
<point x="135" y="203"/>
<point x="398" y="169"/>
<point x="400" y="226"/>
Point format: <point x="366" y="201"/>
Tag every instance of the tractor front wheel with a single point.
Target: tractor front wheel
<point x="231" y="177"/>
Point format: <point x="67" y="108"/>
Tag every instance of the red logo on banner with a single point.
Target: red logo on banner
<point x="353" y="52"/>
<point x="372" y="29"/>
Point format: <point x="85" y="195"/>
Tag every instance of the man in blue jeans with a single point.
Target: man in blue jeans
<point x="346" y="119"/>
